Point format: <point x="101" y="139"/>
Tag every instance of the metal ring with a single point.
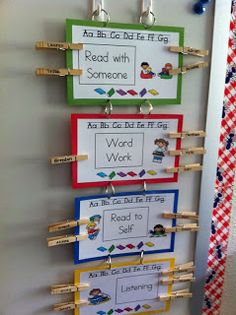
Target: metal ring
<point x="144" y="187"/>
<point x="96" y="13"/>
<point x="150" y="107"/>
<point x="141" y="257"/>
<point x="113" y="191"/>
<point x="145" y="14"/>
<point x="108" y="108"/>
<point x="109" y="262"/>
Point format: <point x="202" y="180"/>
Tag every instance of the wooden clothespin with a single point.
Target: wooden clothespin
<point x="188" y="267"/>
<point x="179" y="279"/>
<point x="67" y="224"/>
<point x="68" y="158"/>
<point x="187" y="68"/>
<point x="185" y="168"/>
<point x="58" y="72"/>
<point x="65" y="239"/>
<point x="58" y="45"/>
<point x="68" y="288"/>
<point x="185" y="134"/>
<point x="181" y="215"/>
<point x="67" y="306"/>
<point x="189" y="51"/>
<point x="182" y="228"/>
<point x="187" y="151"/>
<point x="180" y="294"/>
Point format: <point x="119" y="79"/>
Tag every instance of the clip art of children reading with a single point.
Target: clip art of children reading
<point x="146" y="72"/>
<point x="159" y="152"/>
<point x="158" y="231"/>
<point x="98" y="297"/>
<point x="92" y="227"/>
<point x="164" y="74"/>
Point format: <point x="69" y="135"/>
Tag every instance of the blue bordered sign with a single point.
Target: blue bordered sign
<point x="125" y="224"/>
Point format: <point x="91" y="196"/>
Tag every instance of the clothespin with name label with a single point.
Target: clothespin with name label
<point x="187" y="151"/>
<point x="185" y="69"/>
<point x="40" y="45"/>
<point x="181" y="215"/>
<point x="65" y="239"/>
<point x="69" y="288"/>
<point x="185" y="168"/>
<point x="67" y="224"/>
<point x="68" y="158"/>
<point x="178" y="279"/>
<point x="182" y="228"/>
<point x="189" y="51"/>
<point x="180" y="294"/>
<point x="58" y="72"/>
<point x="67" y="306"/>
<point x="186" y="134"/>
<point x="188" y="267"/>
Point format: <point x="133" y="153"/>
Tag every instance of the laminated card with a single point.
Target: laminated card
<point x="125" y="224"/>
<point x="124" y="149"/>
<point x="125" y="289"/>
<point x="123" y="62"/>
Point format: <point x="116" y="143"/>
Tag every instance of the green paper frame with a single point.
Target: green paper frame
<point x="135" y="102"/>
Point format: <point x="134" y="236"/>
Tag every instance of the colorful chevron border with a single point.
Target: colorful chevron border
<point x="122" y="174"/>
<point x="127" y="309"/>
<point x="130" y="246"/>
<point x="111" y="92"/>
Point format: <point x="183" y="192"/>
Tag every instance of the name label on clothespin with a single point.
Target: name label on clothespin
<point x="178" y="279"/>
<point x="58" y="72"/>
<point x="67" y="306"/>
<point x="187" y="68"/>
<point x="67" y="224"/>
<point x="188" y="267"/>
<point x="68" y="288"/>
<point x="182" y="228"/>
<point x="181" y="294"/>
<point x="187" y="151"/>
<point x="189" y="51"/>
<point x="68" y="158"/>
<point x="181" y="215"/>
<point x="185" y="134"/>
<point x="66" y="239"/>
<point x="58" y="45"/>
<point x="185" y="168"/>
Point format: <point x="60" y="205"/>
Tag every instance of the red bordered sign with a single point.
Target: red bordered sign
<point x="124" y="149"/>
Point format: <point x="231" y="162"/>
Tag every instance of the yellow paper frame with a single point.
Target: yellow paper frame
<point x="119" y="265"/>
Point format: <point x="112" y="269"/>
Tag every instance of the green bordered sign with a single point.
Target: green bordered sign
<point x="124" y="63"/>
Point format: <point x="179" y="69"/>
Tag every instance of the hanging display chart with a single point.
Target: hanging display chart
<point x="124" y="149"/>
<point x="114" y="63"/>
<point x="127" y="288"/>
<point x="144" y="287"/>
<point x="125" y="224"/>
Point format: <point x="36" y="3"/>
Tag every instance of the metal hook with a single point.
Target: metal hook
<point x="150" y="107"/>
<point x="144" y="15"/>
<point x="113" y="191"/>
<point x="98" y="11"/>
<point x="108" y="108"/>
<point x="109" y="262"/>
<point x="141" y="257"/>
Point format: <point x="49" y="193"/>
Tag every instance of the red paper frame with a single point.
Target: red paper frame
<point x="74" y="119"/>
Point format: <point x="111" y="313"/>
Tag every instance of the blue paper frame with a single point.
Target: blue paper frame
<point x="124" y="194"/>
